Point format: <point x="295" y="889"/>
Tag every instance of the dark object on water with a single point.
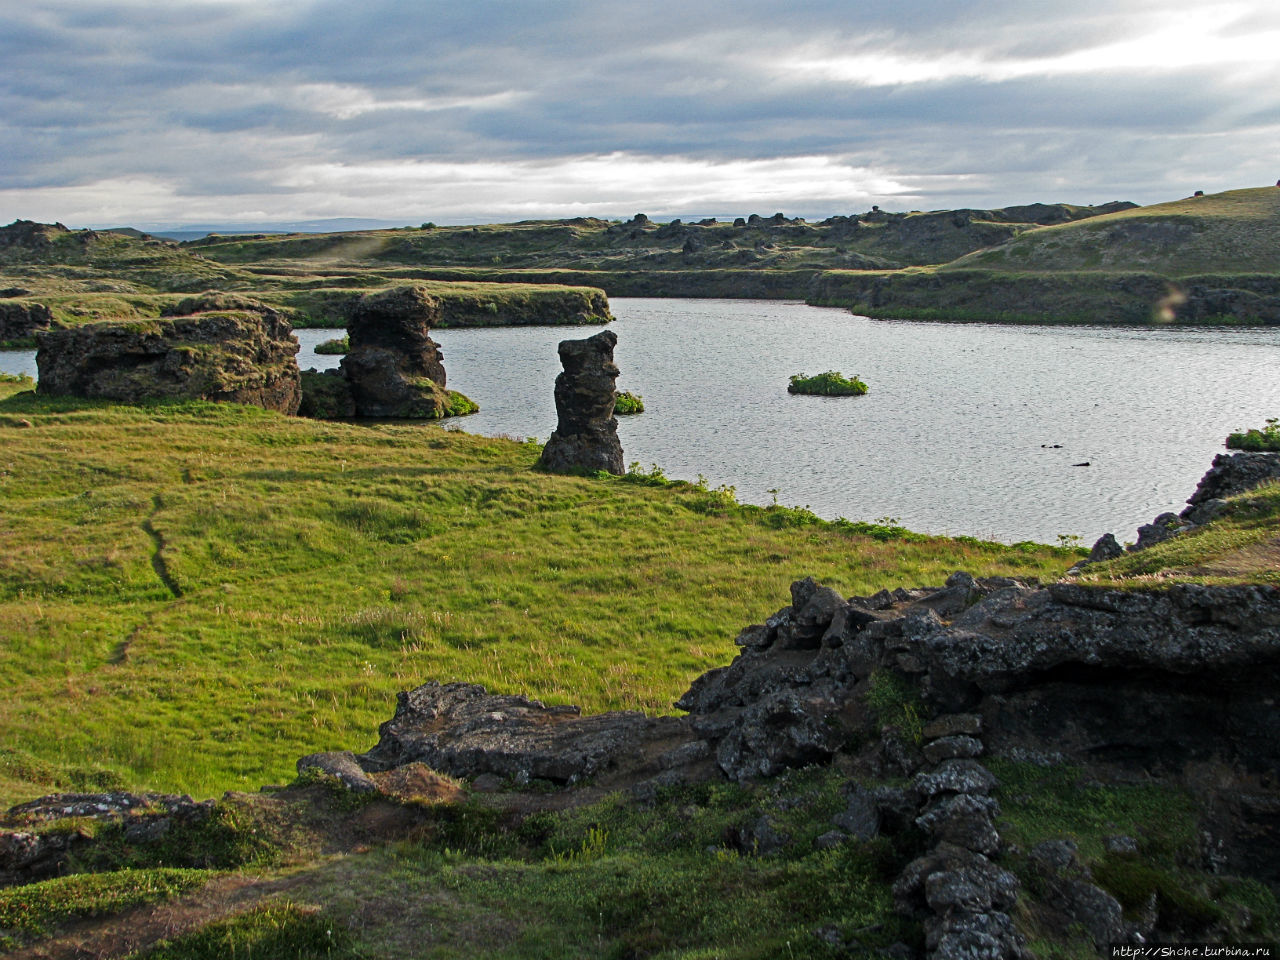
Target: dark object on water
<point x="1051" y="446"/>
<point x="1085" y="464"/>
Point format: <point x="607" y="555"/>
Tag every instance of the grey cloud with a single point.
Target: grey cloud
<point x="97" y="89"/>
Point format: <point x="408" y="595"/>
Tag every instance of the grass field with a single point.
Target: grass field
<point x="196" y="595"/>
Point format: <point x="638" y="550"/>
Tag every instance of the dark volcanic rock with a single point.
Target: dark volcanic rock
<point x="398" y="321"/>
<point x="1107" y="547"/>
<point x="1231" y="474"/>
<point x="342" y="766"/>
<point x="586" y="436"/>
<point x="230" y="357"/>
<point x="30" y="851"/>
<point x="463" y="730"/>
<point x="19" y="319"/>
<point x="393" y="367"/>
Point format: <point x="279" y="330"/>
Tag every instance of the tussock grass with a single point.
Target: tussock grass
<point x="193" y="595"/>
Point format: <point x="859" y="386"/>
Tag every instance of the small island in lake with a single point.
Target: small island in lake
<point x="829" y="384"/>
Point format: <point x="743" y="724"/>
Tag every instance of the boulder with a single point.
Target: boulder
<point x="1107" y="547"/>
<point x="1232" y="474"/>
<point x="20" y="319"/>
<point x="586" y="436"/>
<point x="229" y="357"/>
<point x="463" y="730"/>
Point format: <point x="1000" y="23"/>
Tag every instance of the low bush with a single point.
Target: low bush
<point x="628" y="402"/>
<point x="337" y="346"/>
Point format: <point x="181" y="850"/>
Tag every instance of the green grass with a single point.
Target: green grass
<point x="619" y="879"/>
<point x="277" y="930"/>
<point x="829" y="384"/>
<point x="312" y="569"/>
<point x="35" y="910"/>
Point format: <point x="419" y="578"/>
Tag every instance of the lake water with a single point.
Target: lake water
<point x="955" y="435"/>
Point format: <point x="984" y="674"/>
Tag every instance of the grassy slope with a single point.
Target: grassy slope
<point x="1233" y="232"/>
<point x="195" y="596"/>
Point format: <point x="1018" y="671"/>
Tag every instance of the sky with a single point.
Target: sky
<point x="169" y="112"/>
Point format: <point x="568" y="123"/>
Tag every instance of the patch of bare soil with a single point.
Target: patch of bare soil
<point x="1246" y="561"/>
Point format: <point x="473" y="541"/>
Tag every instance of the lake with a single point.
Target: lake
<point x="967" y="429"/>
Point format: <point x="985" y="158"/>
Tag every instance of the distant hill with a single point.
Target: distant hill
<point x="1233" y="232"/>
<point x="1207" y="259"/>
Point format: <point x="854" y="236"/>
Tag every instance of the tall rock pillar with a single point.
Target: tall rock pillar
<point x="586" y="436"/>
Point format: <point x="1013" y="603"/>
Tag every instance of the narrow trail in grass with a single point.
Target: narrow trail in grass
<point x="157" y="557"/>
<point x="140" y="928"/>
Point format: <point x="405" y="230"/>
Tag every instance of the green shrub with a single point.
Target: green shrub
<point x="829" y="384"/>
<point x="1268" y="438"/>
<point x="337" y="346"/>
<point x="628" y="402"/>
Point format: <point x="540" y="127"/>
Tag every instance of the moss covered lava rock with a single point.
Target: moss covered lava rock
<point x="232" y="357"/>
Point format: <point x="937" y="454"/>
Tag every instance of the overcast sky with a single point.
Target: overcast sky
<point x="170" y="111"/>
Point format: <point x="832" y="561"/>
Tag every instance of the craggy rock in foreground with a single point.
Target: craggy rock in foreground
<point x="394" y="368"/>
<point x="463" y="730"/>
<point x="1125" y="683"/>
<point x="235" y="357"/>
<point x="586" y="436"/>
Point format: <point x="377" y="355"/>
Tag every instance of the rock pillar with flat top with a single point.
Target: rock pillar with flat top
<point x="586" y="436"/>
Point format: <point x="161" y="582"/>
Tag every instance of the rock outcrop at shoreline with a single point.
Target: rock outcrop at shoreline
<point x="586" y="436"/>
<point x="235" y="357"/>
<point x="1229" y="475"/>
<point x="394" y="368"/>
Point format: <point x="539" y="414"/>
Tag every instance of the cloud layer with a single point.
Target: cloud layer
<point x="147" y="112"/>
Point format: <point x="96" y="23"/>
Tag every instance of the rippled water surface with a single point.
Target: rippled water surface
<point x="951" y="437"/>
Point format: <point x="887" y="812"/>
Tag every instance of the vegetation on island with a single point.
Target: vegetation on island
<point x="336" y="347"/>
<point x="829" y="384"/>
<point x="628" y="403"/>
<point x="1255" y="439"/>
